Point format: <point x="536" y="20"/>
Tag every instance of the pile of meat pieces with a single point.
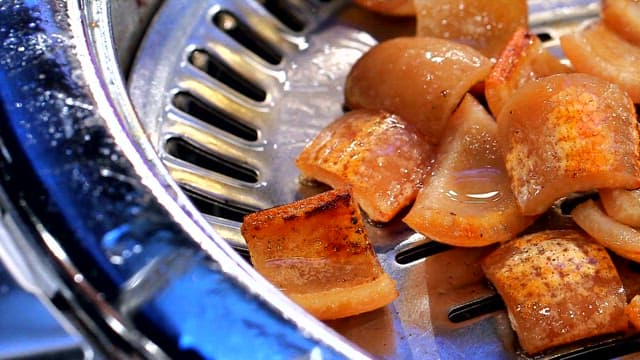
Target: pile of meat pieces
<point x="416" y="136"/>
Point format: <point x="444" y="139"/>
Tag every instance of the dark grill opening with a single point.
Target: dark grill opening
<point x="284" y="12"/>
<point x="213" y="116"/>
<point x="220" y="71"/>
<point x="186" y="151"/>
<point x="544" y="37"/>
<point x="242" y="33"/>
<point x="478" y="307"/>
<point x="217" y="208"/>
<point x="420" y="252"/>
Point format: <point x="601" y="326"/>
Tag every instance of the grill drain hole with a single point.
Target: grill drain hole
<point x="217" y="208"/>
<point x="476" y="308"/>
<point x="183" y="150"/>
<point x="220" y="71"/>
<point x="211" y="115"/>
<point x="282" y="10"/>
<point x="243" y="34"/>
<point x="544" y="37"/>
<point x="420" y="252"/>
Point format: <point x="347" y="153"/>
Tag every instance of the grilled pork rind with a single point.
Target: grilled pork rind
<point x="379" y="155"/>
<point x="523" y="60"/>
<point x="622" y="205"/>
<point x="559" y="287"/>
<point x="623" y="16"/>
<point x="389" y="7"/>
<point x="483" y="25"/>
<point x="568" y="133"/>
<point x="599" y="51"/>
<point x="420" y="79"/>
<point x="317" y="252"/>
<point x="632" y="310"/>
<point x="615" y="236"/>
<point x="467" y="201"/>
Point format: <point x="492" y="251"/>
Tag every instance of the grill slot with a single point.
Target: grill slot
<point x="420" y="252"/>
<point x="284" y="12"/>
<point x="213" y="116"/>
<point x="213" y="207"/>
<point x="240" y="32"/>
<point x="183" y="150"/>
<point x="476" y="308"/>
<point x="218" y="70"/>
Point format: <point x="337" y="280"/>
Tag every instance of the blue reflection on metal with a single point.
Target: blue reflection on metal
<point x="212" y="317"/>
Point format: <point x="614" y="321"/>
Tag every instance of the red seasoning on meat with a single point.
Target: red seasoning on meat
<point x="379" y="155"/>
<point x="567" y="133"/>
<point x="559" y="287"/>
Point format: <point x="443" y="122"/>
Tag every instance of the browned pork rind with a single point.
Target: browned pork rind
<point x="623" y="17"/>
<point x="633" y="311"/>
<point x="523" y="59"/>
<point x="599" y="51"/>
<point x="467" y="201"/>
<point x="389" y="7"/>
<point x="420" y="79"/>
<point x="481" y="24"/>
<point x="559" y="287"/>
<point x="615" y="236"/>
<point x="317" y="252"/>
<point x="568" y="133"/>
<point x="380" y="156"/>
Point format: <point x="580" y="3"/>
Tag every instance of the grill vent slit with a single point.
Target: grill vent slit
<point x="282" y="10"/>
<point x="478" y="307"/>
<point x="242" y="33"/>
<point x="213" y="207"/>
<point x="220" y="71"/>
<point x="183" y="150"/>
<point x="420" y="252"/>
<point x="213" y="116"/>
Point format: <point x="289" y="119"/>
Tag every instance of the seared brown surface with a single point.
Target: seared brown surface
<point x="316" y="250"/>
<point x="559" y="286"/>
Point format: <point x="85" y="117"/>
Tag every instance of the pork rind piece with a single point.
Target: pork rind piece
<point x="623" y="17"/>
<point x="633" y="311"/>
<point x="379" y="155"/>
<point x="481" y="24"/>
<point x="420" y="79"/>
<point x="389" y="7"/>
<point x="599" y="51"/>
<point x="559" y="287"/>
<point x="568" y="133"/>
<point x="622" y="205"/>
<point x="317" y="252"/>
<point x="467" y="201"/>
<point x="523" y="60"/>
<point x="615" y="236"/>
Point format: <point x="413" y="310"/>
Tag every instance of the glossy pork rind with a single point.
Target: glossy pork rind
<point x="317" y="252"/>
<point x="622" y="239"/>
<point x="559" y="287"/>
<point x="623" y="17"/>
<point x="389" y="7"/>
<point x="632" y="310"/>
<point x="622" y="205"/>
<point x="467" y="201"/>
<point x="420" y="79"/>
<point x="380" y="156"/>
<point x="568" y="133"/>
<point x="523" y="60"/>
<point x="599" y="51"/>
<point x="484" y="25"/>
